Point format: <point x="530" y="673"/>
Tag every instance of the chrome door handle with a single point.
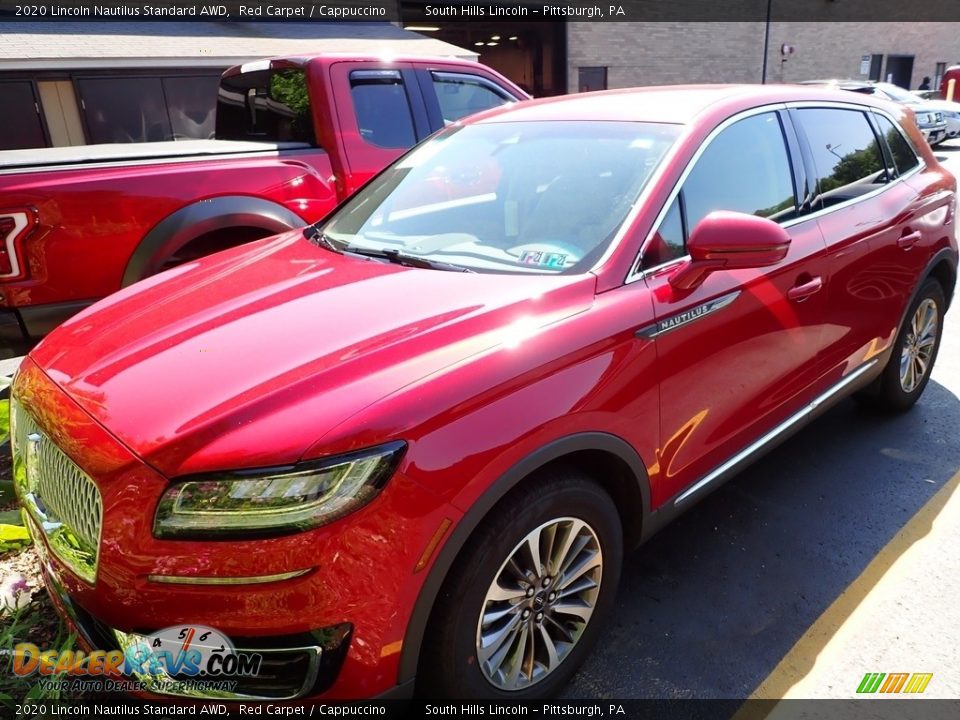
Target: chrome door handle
<point x="799" y="293"/>
<point x="908" y="240"/>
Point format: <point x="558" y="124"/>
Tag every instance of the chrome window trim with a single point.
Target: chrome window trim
<point x="637" y="274"/>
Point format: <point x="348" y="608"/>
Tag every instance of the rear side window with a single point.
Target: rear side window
<point x="123" y="110"/>
<point x="904" y="156"/>
<point x="382" y="108"/>
<point x="460" y="95"/>
<point x="22" y="127"/>
<point x="265" y="106"/>
<point x="745" y="169"/>
<point x="191" y="106"/>
<point x="846" y="153"/>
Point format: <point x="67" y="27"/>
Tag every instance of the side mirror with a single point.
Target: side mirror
<point x="726" y="240"/>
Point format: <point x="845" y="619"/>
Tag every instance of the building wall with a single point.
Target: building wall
<point x="664" y="53"/>
<point x="834" y="49"/>
<point x="671" y="52"/>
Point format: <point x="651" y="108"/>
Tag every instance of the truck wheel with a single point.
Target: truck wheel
<point x="914" y="352"/>
<point x="528" y="595"/>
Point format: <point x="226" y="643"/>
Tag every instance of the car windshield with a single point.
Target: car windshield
<point x="894" y="92"/>
<point x="534" y="197"/>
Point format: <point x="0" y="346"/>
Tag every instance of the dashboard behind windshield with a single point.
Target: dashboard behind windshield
<point x="533" y="197"/>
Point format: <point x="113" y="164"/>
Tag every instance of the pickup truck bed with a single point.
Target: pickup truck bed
<point x="117" y="153"/>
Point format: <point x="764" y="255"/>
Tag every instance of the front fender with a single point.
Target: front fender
<point x="481" y="507"/>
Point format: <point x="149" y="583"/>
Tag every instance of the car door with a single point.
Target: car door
<point x="868" y="217"/>
<point x="737" y="354"/>
<point x="380" y="114"/>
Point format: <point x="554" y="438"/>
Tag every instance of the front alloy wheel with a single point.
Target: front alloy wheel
<point x="537" y="607"/>
<point x="527" y="595"/>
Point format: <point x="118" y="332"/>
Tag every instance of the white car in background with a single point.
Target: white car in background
<point x="951" y="114"/>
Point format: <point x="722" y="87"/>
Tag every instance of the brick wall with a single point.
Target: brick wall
<point x="834" y="49"/>
<point x="667" y="52"/>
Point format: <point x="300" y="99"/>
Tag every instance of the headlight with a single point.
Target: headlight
<point x="275" y="501"/>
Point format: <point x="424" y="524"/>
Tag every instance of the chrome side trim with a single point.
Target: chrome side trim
<point x="636" y="273"/>
<point x="672" y="322"/>
<point x="213" y="580"/>
<point x="172" y="160"/>
<point x="773" y="434"/>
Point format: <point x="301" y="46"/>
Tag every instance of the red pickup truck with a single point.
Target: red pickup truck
<point x="295" y="136"/>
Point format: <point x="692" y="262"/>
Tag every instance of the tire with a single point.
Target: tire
<point x="896" y="390"/>
<point x="551" y="506"/>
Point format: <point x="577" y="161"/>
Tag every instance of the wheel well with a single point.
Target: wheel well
<point x="607" y="459"/>
<point x="606" y="468"/>
<point x="946" y="275"/>
<point x="211" y="242"/>
<point x="612" y="474"/>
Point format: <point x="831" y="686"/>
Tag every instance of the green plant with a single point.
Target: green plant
<point x="36" y="623"/>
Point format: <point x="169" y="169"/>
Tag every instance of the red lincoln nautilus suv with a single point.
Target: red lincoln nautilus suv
<point x="406" y="448"/>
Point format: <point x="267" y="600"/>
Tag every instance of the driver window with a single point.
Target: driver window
<point x="745" y="169"/>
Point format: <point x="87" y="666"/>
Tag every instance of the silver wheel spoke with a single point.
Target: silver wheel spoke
<point x="926" y="342"/>
<point x="569" y="532"/>
<point x="499" y="593"/>
<point x="584" y="582"/>
<point x="533" y="547"/>
<point x="585" y="564"/>
<point x="577" y="610"/>
<point x="516" y="660"/>
<point x="538" y="604"/>
<point x="573" y="552"/>
<point x="553" y="659"/>
<point x="497" y="641"/>
<point x="494" y="615"/>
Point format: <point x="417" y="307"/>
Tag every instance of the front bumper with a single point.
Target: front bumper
<point x="361" y="570"/>
<point x="934" y="134"/>
<point x="290" y="667"/>
<point x="32" y="322"/>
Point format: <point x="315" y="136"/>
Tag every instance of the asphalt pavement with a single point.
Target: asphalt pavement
<point x="833" y="556"/>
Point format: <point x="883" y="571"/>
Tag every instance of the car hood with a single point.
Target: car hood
<point x="249" y="357"/>
<point x="941" y="106"/>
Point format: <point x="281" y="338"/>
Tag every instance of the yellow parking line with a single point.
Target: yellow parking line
<point x="799" y="661"/>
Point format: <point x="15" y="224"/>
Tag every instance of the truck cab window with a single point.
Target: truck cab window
<point x="460" y="95"/>
<point x="265" y="106"/>
<point x="382" y="108"/>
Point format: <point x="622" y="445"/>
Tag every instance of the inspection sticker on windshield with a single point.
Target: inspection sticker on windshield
<point x="544" y="259"/>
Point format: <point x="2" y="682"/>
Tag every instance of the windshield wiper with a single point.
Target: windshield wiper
<point x="400" y="258"/>
<point x="313" y="234"/>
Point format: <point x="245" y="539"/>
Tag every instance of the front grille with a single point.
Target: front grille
<point x="62" y="498"/>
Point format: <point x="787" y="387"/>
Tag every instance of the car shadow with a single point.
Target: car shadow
<point x="711" y="604"/>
